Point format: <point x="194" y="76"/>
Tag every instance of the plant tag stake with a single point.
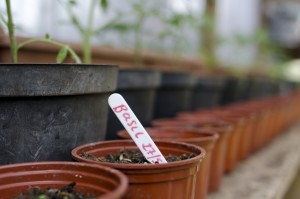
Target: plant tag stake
<point x="135" y="129"/>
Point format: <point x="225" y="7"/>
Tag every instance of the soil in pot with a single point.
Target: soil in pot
<point x="92" y="181"/>
<point x="127" y="156"/>
<point x="174" y="180"/>
<point x="66" y="192"/>
<point x="138" y="87"/>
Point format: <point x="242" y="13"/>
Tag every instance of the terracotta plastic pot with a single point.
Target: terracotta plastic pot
<point x="189" y="122"/>
<point x="218" y="155"/>
<point x="203" y="138"/>
<point x="174" y="180"/>
<point x="235" y="137"/>
<point x="250" y="133"/>
<point x="92" y="180"/>
<point x="261" y="122"/>
<point x="233" y="143"/>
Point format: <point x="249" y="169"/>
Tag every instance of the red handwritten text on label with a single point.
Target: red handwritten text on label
<point x="152" y="154"/>
<point x="128" y="118"/>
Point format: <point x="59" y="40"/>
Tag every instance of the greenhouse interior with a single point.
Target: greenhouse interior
<point x="108" y="99"/>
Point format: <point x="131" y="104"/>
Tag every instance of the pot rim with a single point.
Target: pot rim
<point x="47" y="79"/>
<point x="207" y="134"/>
<point x="75" y="154"/>
<point x="221" y="124"/>
<point x="119" y="190"/>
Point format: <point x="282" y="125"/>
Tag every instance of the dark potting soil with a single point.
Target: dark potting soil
<point x="66" y="192"/>
<point x="126" y="156"/>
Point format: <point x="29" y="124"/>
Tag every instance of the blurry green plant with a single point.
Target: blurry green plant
<point x="87" y="29"/>
<point x="268" y="52"/>
<point x="8" y="22"/>
<point x="272" y="52"/>
<point x="203" y="25"/>
<point x="270" y="56"/>
<point x="141" y="13"/>
<point x="267" y="47"/>
<point x="206" y="49"/>
<point x="175" y="25"/>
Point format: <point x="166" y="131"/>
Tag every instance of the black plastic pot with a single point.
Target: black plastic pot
<point x="260" y="87"/>
<point x="236" y="89"/>
<point x="272" y="87"/>
<point x="230" y="90"/>
<point x="207" y="92"/>
<point x="174" y="94"/>
<point x="286" y="86"/>
<point x="138" y="87"/>
<point x="48" y="109"/>
<point x="243" y="86"/>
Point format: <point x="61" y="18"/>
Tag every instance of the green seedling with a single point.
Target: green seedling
<point x="15" y="47"/>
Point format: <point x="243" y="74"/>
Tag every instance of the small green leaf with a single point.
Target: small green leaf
<point x="164" y="34"/>
<point x="176" y="19"/>
<point x="138" y="9"/>
<point x="121" y="27"/>
<point x="72" y="2"/>
<point x="47" y="36"/>
<point x="62" y="54"/>
<point x="74" y="56"/>
<point x="43" y="196"/>
<point x="104" y="4"/>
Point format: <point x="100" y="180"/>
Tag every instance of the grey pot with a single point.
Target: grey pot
<point x="174" y="94"/>
<point x="138" y="87"/>
<point x="48" y="109"/>
<point x="207" y="92"/>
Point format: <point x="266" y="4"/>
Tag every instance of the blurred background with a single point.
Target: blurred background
<point x="249" y="49"/>
<point x="259" y="34"/>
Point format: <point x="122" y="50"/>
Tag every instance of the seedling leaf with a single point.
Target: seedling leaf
<point x="62" y="54"/>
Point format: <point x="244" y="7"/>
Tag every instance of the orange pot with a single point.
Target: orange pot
<point x="174" y="180"/>
<point x="96" y="181"/>
<point x="237" y="124"/>
<point x="218" y="155"/>
<point x="203" y="138"/>
<point x="246" y="126"/>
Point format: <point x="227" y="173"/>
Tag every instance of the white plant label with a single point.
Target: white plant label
<point x="135" y="129"/>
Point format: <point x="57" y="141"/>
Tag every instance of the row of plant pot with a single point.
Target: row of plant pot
<point x="95" y="179"/>
<point x="151" y="93"/>
<point x="227" y="135"/>
<point x="218" y="138"/>
<point x="243" y="129"/>
<point x="49" y="109"/>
